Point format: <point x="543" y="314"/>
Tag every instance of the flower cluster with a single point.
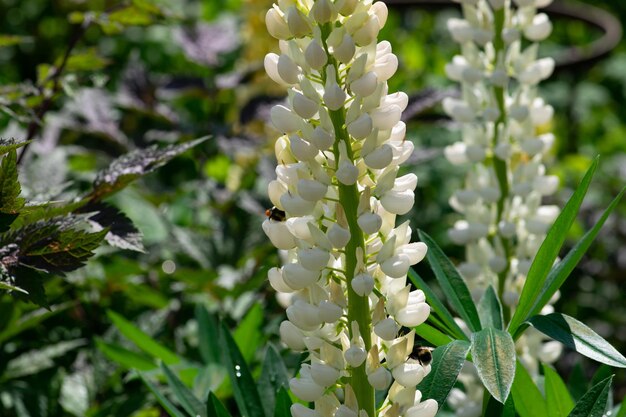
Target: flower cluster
<point x="505" y="144"/>
<point x="336" y="198"/>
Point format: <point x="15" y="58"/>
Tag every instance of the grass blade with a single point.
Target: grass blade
<point x="451" y="283"/>
<point x="548" y="252"/>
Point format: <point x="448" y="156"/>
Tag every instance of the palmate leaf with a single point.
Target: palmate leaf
<point x="493" y="354"/>
<point x="574" y="334"/>
<point x="10" y="189"/>
<point x="133" y="165"/>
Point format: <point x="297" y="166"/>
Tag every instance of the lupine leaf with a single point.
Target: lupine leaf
<point x="184" y="396"/>
<point x="142" y="340"/>
<point x="244" y="387"/>
<point x="493" y="353"/>
<point x="437" y="306"/>
<point x="283" y="404"/>
<point x="497" y="409"/>
<point x="446" y="365"/>
<point x="622" y="410"/>
<point x="593" y="403"/>
<point x="558" y="398"/>
<point x="274" y="376"/>
<point x="208" y="335"/>
<point x="548" y="252"/>
<point x="432" y="335"/>
<point x="528" y="399"/>
<point x="125" y="357"/>
<point x="451" y="283"/>
<point x="10" y="189"/>
<point x="579" y="337"/>
<point x="133" y="165"/>
<point x="247" y="335"/>
<point x="577" y="382"/>
<point x="560" y="272"/>
<point x="490" y="310"/>
<point x="215" y="408"/>
<point x="165" y="403"/>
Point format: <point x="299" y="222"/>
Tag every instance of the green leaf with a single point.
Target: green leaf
<point x="560" y="272"/>
<point x="577" y="382"/>
<point x="10" y="189"/>
<point x="493" y="353"/>
<point x="165" y="403"/>
<point x="131" y="16"/>
<point x="121" y="231"/>
<point x="35" y="361"/>
<point x="594" y="402"/>
<point x="622" y="410"/>
<point x="125" y="357"/>
<point x="142" y="340"/>
<point x="497" y="409"/>
<point x="30" y="282"/>
<point x="31" y="319"/>
<point x="548" y="252"/>
<point x="208" y="335"/>
<point x="215" y="407"/>
<point x="136" y="164"/>
<point x="87" y="60"/>
<point x="446" y="365"/>
<point x="274" y="376"/>
<point x="451" y="283"/>
<point x="244" y="387"/>
<point x="10" y="40"/>
<point x="283" y="404"/>
<point x="528" y="399"/>
<point x="490" y="310"/>
<point x="559" y="400"/>
<point x="437" y="306"/>
<point x="579" y="337"/>
<point x="247" y="335"/>
<point x="432" y="335"/>
<point x="185" y="397"/>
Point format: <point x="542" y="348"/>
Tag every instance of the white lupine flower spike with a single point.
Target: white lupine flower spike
<point x="504" y="144"/>
<point x="336" y="197"/>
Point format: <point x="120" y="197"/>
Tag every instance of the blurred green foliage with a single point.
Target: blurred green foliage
<point x="163" y="72"/>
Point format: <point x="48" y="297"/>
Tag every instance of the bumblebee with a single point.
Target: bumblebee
<point x="276" y="214"/>
<point x="422" y="354"/>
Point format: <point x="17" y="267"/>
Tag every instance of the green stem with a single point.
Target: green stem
<point x="499" y="165"/>
<point x="358" y="307"/>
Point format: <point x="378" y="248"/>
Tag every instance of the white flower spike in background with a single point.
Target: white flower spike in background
<point x="337" y="185"/>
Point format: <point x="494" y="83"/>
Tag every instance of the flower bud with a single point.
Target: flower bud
<point x="323" y="11"/>
<point x="370" y="223"/>
<point x="408" y="374"/>
<point x="427" y="408"/>
<point x="323" y="374"/>
<point x="338" y="236"/>
<point x="361" y="127"/>
<point x="540" y="28"/>
<point x="345" y="411"/>
<point x="304" y="315"/>
<point x="277" y="282"/>
<point x="297" y="277"/>
<point x="379" y="158"/>
<point x="299" y="410"/>
<point x="347" y="173"/>
<point x="380" y="379"/>
<point x="387" y="329"/>
<point x="345" y="50"/>
<point x="276" y="25"/>
<point x="284" y="119"/>
<point x="278" y="233"/>
<point x="304" y="106"/>
<point x="355" y="356"/>
<point x="291" y="336"/>
<point x="297" y="23"/>
<point x="313" y="259"/>
<point x="305" y="388"/>
<point x="330" y="312"/>
<point x="311" y="190"/>
<point x="363" y="284"/>
<point x="315" y="55"/>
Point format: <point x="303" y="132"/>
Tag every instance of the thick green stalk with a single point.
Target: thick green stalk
<point x="358" y="307"/>
<point x="499" y="165"/>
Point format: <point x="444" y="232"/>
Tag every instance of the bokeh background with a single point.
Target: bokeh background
<point x="195" y="68"/>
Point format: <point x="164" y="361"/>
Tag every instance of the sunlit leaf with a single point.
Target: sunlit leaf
<point x="558" y="398"/>
<point x="493" y="354"/>
<point x="528" y="399"/>
<point x="574" y="334"/>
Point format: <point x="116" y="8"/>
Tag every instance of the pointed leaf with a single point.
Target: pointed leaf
<point x="133" y="165"/>
<point x="215" y="408"/>
<point x="594" y="402"/>
<point x="493" y="353"/>
<point x="142" y="340"/>
<point x="579" y="337"/>
<point x="577" y="382"/>
<point x="548" y="252"/>
<point x="622" y="410"/>
<point x="451" y="283"/>
<point x="185" y="397"/>
<point x="274" y="376"/>
<point x="560" y="272"/>
<point x="432" y="335"/>
<point x="7" y="145"/>
<point x="490" y="310"/>
<point x="558" y="398"/>
<point x="165" y="403"/>
<point x="445" y="368"/>
<point x="10" y="189"/>
<point x="244" y="387"/>
<point x="208" y="335"/>
<point x="125" y="357"/>
<point x="283" y="404"/>
<point x="528" y="399"/>
<point x="497" y="409"/>
<point x="437" y="306"/>
<point x="122" y="233"/>
<point x="247" y="335"/>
